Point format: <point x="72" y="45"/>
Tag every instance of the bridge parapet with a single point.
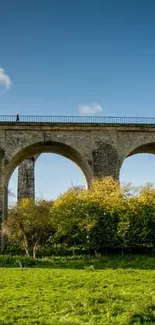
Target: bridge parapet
<point x="103" y="120"/>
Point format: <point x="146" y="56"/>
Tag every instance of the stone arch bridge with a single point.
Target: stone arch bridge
<point x="97" y="145"/>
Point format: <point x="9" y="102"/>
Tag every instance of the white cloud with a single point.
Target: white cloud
<point x="5" y="81"/>
<point x="90" y="109"/>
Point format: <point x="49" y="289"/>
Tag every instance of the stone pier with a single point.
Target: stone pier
<point x="26" y="178"/>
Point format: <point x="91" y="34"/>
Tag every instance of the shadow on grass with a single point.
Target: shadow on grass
<point x="81" y="262"/>
<point x="144" y="318"/>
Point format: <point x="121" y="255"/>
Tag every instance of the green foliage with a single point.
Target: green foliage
<point x="142" y="262"/>
<point x="102" y="219"/>
<point x="29" y="224"/>
<point x="89" y="218"/>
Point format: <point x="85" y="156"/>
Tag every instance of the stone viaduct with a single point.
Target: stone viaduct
<point x="97" y="145"/>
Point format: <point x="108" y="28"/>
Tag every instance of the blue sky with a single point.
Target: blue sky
<point x="63" y="54"/>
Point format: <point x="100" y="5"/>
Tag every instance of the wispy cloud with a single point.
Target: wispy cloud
<point x="90" y="109"/>
<point x="5" y="81"/>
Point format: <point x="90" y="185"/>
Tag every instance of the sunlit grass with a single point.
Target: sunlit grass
<point x="77" y="296"/>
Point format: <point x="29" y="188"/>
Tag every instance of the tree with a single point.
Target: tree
<point x="29" y="224"/>
<point x="141" y="214"/>
<point x="94" y="213"/>
<point x="66" y="213"/>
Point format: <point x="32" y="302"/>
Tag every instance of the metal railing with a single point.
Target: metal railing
<point x="104" y="120"/>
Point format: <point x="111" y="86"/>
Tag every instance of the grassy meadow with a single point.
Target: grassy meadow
<point x="106" y="291"/>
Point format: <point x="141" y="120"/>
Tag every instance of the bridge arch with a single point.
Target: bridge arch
<point x="138" y="146"/>
<point x="60" y="148"/>
<point x="144" y="148"/>
<point x="143" y="152"/>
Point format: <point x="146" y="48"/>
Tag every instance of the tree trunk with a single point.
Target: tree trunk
<point x="25" y="245"/>
<point x="27" y="251"/>
<point x="35" y="249"/>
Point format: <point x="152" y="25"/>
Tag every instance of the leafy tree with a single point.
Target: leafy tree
<point x="103" y="217"/>
<point x="141" y="215"/>
<point x="109" y="202"/>
<point x="29" y="224"/>
<point x="66" y="213"/>
<point x="94" y="213"/>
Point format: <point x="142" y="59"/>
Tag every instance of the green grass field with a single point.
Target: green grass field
<point x="69" y="296"/>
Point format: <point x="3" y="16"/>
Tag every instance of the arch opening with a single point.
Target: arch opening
<point x="62" y="174"/>
<point x="59" y="151"/>
<point x="138" y="167"/>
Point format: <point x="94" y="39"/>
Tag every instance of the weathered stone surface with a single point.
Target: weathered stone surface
<point x="99" y="150"/>
<point x="26" y="178"/>
<point x="105" y="161"/>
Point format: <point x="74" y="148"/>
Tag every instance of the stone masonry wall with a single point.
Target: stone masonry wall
<point x="97" y="149"/>
<point x="105" y="161"/>
<point x="26" y="179"/>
